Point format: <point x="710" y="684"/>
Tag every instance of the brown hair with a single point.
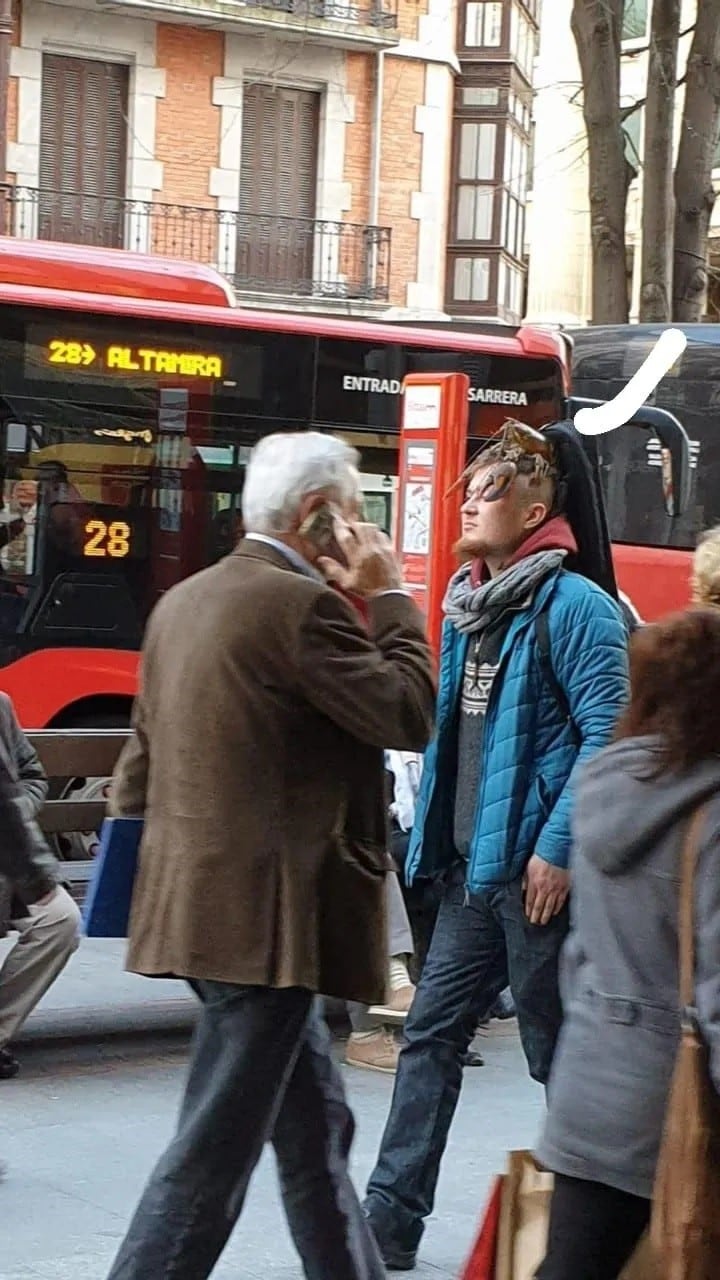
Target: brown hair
<point x="675" y="687"/>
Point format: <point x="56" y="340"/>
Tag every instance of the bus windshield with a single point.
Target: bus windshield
<point x="604" y="359"/>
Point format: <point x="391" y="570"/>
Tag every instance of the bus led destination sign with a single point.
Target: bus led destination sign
<point x="142" y="359"/>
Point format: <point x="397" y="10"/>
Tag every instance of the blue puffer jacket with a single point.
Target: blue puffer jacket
<point x="530" y="756"/>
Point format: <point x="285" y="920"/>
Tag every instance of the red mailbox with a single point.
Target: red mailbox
<point x="433" y="448"/>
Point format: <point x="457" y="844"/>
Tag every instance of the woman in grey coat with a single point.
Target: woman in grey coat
<point x="614" y="1062"/>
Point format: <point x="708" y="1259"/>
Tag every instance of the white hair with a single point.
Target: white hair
<point x="286" y="467"/>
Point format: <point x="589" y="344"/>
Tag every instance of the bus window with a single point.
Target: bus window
<point x="83" y="521"/>
<point x="379" y="500"/>
<point x="225" y="471"/>
<point x="631" y="460"/>
<point x="359" y="384"/>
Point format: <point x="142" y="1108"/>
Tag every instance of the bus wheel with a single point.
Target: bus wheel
<point x="78" y="846"/>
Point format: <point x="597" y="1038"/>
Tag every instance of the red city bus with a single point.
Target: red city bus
<point x="131" y="392"/>
<point x="653" y="548"/>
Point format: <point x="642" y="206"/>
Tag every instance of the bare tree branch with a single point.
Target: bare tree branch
<point x="626" y="112"/>
<point x="635" y="53"/>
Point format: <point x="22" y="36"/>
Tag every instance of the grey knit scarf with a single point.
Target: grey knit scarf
<point x="472" y="609"/>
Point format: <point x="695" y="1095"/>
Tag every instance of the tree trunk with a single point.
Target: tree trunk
<point x="596" y="26"/>
<point x="694" y="194"/>
<point x="658" y="201"/>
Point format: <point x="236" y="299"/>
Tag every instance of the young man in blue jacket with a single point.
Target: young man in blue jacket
<point x="533" y="675"/>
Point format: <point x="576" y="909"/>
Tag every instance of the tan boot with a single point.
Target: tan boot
<point x="376" y="1052"/>
<point x="397" y="1005"/>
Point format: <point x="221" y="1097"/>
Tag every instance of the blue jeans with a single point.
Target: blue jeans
<point x="478" y="943"/>
<point x="262" y="1070"/>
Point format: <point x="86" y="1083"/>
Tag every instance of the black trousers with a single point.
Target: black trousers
<point x="262" y="1071"/>
<point x="594" y="1231"/>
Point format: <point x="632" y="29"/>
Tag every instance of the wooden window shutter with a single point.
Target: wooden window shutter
<point x="83" y="150"/>
<point x="278" y="171"/>
<point x="278" y="177"/>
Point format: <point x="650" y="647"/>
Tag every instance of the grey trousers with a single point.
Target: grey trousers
<point x="262" y="1070"/>
<point x="400" y="943"/>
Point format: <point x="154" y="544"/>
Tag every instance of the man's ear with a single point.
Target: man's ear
<point x="537" y="513"/>
<point x="308" y="506"/>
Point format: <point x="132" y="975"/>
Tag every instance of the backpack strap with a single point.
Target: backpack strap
<point x="686" y="922"/>
<point x="542" y="637"/>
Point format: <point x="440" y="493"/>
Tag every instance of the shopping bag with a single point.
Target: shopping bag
<point x="523" y="1215"/>
<point x="107" y="905"/>
<point x="686" y="1201"/>
<point x="481" y="1263"/>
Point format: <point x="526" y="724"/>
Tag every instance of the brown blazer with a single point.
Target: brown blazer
<point x="257" y="762"/>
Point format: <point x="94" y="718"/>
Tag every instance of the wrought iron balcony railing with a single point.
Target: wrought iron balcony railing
<point x="383" y="14"/>
<point x="259" y="253"/>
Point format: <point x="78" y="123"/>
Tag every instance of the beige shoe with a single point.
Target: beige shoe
<point x="378" y="1052"/>
<point x="397" y="1007"/>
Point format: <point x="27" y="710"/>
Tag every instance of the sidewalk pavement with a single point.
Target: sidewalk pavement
<point x="83" y="1124"/>
<point x="94" y="996"/>
<point x="95" y="1103"/>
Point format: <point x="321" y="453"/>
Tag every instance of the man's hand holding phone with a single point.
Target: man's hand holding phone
<point x="371" y="565"/>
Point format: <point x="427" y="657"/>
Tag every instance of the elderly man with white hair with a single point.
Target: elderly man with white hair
<point x="266" y="702"/>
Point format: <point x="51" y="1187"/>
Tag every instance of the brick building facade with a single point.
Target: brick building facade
<point x="328" y="154"/>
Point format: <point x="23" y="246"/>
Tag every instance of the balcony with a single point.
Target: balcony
<point x="365" y="24"/>
<point x="298" y="258"/>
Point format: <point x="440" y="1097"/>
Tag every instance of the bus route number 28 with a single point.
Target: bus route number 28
<point x="107" y="539"/>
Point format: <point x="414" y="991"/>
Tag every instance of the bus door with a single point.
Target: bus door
<point x="73" y="560"/>
<point x="198" y="481"/>
<point x="179" y="501"/>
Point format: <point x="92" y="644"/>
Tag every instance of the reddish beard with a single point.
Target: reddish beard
<point x="467" y="547"/>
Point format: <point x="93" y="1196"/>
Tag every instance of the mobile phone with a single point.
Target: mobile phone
<point x="319" y="529"/>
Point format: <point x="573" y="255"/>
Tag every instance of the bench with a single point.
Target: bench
<point x="76" y="753"/>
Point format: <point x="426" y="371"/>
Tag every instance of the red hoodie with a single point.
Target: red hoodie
<point x="556" y="535"/>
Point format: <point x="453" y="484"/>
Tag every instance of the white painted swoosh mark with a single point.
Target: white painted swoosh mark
<point x="606" y="417"/>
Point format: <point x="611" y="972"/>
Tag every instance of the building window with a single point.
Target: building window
<point x="474" y="213"/>
<point x="522" y="40"/>
<point x="513" y="224"/>
<point x="531" y="160"/>
<point x="478" y="143"/>
<point x="520" y="109"/>
<point x="278" y="183"/>
<point x="83" y="150"/>
<point x="632" y="127"/>
<point x="474" y="96"/>
<point x="511" y="284"/>
<point x="471" y="280"/>
<point x="483" y="25"/>
<point x="517" y="153"/>
<point x="635" y="20"/>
